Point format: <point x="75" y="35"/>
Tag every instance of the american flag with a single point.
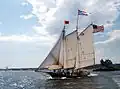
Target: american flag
<point x="82" y="13"/>
<point x="98" y="28"/>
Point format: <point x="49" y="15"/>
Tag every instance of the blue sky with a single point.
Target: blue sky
<point x="10" y="14"/>
<point x="29" y="28"/>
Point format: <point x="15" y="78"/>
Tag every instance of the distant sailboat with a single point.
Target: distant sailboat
<point x="6" y="68"/>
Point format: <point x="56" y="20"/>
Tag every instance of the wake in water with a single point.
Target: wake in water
<point x="93" y="74"/>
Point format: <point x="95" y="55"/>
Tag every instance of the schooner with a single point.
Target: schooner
<point x="71" y="53"/>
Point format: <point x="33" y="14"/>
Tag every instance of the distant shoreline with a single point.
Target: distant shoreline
<point x="18" y="69"/>
<point x="97" y="67"/>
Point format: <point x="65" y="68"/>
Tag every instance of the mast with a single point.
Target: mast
<point x="63" y="46"/>
<point x="77" y="21"/>
<point x="78" y="51"/>
<point x="77" y="46"/>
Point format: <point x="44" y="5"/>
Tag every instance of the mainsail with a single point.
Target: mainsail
<point x="86" y="49"/>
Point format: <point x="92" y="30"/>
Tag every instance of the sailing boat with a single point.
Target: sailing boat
<point x="70" y="55"/>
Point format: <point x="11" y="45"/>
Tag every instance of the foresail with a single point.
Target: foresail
<point x="71" y="48"/>
<point x="86" y="49"/>
<point x="53" y="57"/>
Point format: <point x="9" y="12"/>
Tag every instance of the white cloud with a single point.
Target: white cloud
<point x="26" y="16"/>
<point x="115" y="34"/>
<point x="40" y="30"/>
<point x="51" y="14"/>
<point x="43" y="39"/>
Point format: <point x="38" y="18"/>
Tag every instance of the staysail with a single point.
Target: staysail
<point x="86" y="49"/>
<point x="52" y="60"/>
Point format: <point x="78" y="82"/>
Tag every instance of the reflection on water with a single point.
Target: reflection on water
<point x="32" y="80"/>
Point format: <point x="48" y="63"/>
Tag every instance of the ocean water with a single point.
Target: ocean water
<point x="33" y="80"/>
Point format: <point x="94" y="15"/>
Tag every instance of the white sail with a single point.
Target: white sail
<point x="86" y="49"/>
<point x="52" y="60"/>
<point x="71" y="49"/>
<point x="61" y="55"/>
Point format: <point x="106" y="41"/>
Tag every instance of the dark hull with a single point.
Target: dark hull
<point x="73" y="75"/>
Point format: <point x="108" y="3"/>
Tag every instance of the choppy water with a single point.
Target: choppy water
<point x="32" y="80"/>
